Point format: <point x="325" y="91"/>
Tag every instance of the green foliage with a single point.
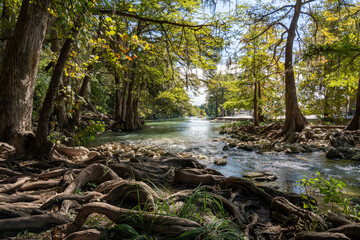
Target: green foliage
<point x="332" y="191"/>
<point x="88" y="134"/>
<point x="236" y="124"/>
<point x="221" y="229"/>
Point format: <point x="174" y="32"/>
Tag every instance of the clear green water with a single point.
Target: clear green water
<point x="196" y="136"/>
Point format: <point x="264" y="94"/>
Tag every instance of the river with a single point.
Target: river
<point x="197" y="136"/>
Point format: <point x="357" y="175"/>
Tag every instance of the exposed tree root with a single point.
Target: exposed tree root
<point x="58" y="199"/>
<point x="351" y="230"/>
<point x="163" y="224"/>
<point x="13" y="211"/>
<point x="126" y="171"/>
<point x="336" y="219"/>
<point x="36" y="222"/>
<point x="245" y="186"/>
<point x="94" y="173"/>
<point x="9" y="172"/>
<point x="17" y="198"/>
<point x="282" y="207"/>
<point x="53" y="173"/>
<point x="39" y="184"/>
<point x="251" y="225"/>
<point x="11" y="187"/>
<point x="135" y="192"/>
<point x="89" y="234"/>
<point x="182" y="163"/>
<point x="320" y="236"/>
<point x="106" y="186"/>
<point x="186" y="176"/>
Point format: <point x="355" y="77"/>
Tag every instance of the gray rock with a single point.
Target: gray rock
<point x="333" y="153"/>
<point x="220" y="161"/>
<point x="260" y="176"/>
<point x="356" y="157"/>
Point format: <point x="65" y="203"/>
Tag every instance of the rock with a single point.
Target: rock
<point x="248" y="147"/>
<point x="161" y="152"/>
<point x="72" y="151"/>
<point x="226" y="147"/>
<point x="347" y="152"/>
<point x="129" y="154"/>
<point x="203" y="157"/>
<point x="356" y="156"/>
<point x="118" y="151"/>
<point x="295" y="148"/>
<point x="185" y="154"/>
<point x="232" y="144"/>
<point x="220" y="161"/>
<point x="260" y="176"/>
<point x="292" y="138"/>
<point x="278" y="147"/>
<point x="288" y="151"/>
<point x="333" y="154"/>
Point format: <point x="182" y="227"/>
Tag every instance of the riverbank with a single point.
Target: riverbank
<point x="119" y="191"/>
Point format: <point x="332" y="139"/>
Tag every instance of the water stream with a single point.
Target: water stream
<point x="196" y="136"/>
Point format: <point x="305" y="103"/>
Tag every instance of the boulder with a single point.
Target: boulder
<point x="220" y="161"/>
<point x="203" y="157"/>
<point x="333" y="153"/>
<point x="260" y="176"/>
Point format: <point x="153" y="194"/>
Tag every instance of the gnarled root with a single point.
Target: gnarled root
<point x="17" y="198"/>
<point x="125" y="171"/>
<point x="351" y="230"/>
<point x="336" y="219"/>
<point x="136" y="192"/>
<point x="36" y="222"/>
<point x="58" y="199"/>
<point x="179" y="163"/>
<point x="245" y="186"/>
<point x="187" y="176"/>
<point x="11" y="187"/>
<point x="39" y="184"/>
<point x="163" y="224"/>
<point x="320" y="236"/>
<point x="281" y="206"/>
<point x="89" y="234"/>
<point x="94" y="173"/>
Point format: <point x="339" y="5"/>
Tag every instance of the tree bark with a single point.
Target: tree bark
<point x="256" y="110"/>
<point x="117" y="98"/>
<point x="20" y="67"/>
<point x="355" y="121"/>
<point x="294" y="119"/>
<point x="42" y="147"/>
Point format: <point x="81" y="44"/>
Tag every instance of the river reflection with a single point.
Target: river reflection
<point x="196" y="136"/>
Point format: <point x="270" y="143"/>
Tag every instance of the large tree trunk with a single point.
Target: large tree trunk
<point x="355" y="121"/>
<point x="256" y="110"/>
<point x="82" y="94"/>
<point x="20" y="67"/>
<point x="60" y="107"/>
<point x="117" y="98"/>
<point x="42" y="146"/>
<point x="294" y="120"/>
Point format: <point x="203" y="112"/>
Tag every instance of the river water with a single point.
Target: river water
<point x="197" y="136"/>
